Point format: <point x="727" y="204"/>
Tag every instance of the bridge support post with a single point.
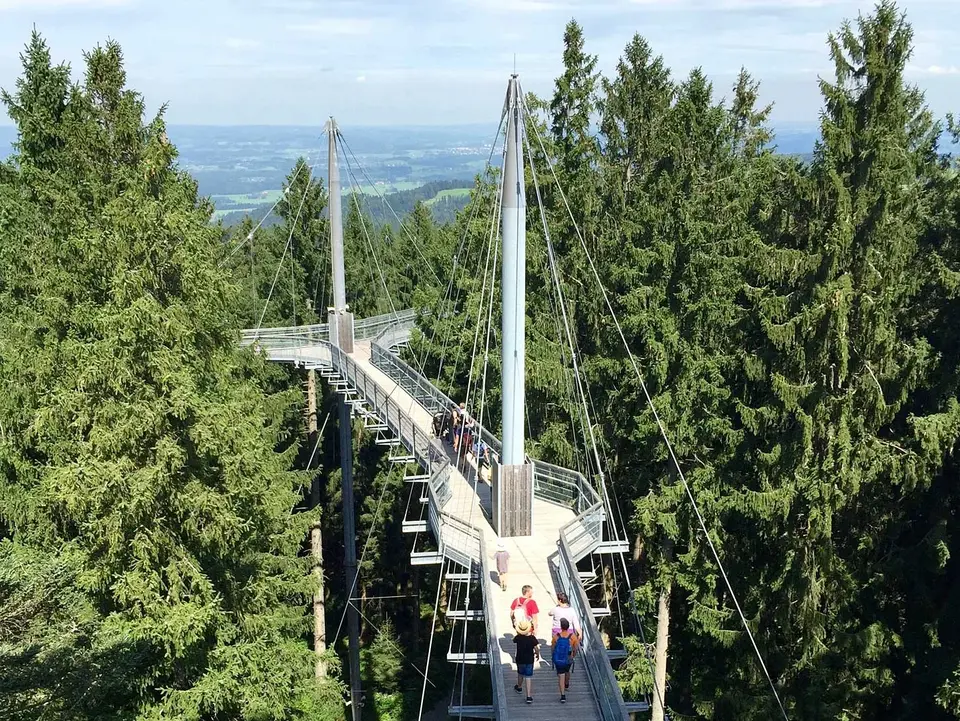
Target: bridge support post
<point x="512" y="482"/>
<point x="350" y="556"/>
<point x="341" y="336"/>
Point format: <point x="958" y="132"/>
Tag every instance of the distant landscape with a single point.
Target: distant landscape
<point x="242" y="168"/>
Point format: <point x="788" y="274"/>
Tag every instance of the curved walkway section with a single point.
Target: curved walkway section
<point x="568" y="519"/>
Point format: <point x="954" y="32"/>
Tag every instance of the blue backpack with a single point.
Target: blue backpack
<point x="561" y="651"/>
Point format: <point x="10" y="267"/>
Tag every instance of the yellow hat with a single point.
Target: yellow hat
<point x="523" y="626"/>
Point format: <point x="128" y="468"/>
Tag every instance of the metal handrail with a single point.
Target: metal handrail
<point x="578" y="538"/>
<point x="593" y="653"/>
<point x="445" y="527"/>
<point x="552" y="483"/>
<point x="364" y="329"/>
<point x="497" y="680"/>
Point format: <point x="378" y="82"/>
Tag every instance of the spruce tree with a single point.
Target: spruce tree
<point x="144" y="472"/>
<point x="829" y="419"/>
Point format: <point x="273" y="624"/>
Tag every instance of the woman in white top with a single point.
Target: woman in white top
<point x="563" y="610"/>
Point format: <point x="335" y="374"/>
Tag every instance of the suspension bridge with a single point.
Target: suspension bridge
<point x="560" y="528"/>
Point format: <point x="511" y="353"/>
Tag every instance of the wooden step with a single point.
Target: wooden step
<point x="600" y="612"/>
<point x="414" y="526"/>
<point x="403" y="459"/>
<point x="637" y="706"/>
<point x="616" y="654"/>
<point x="419" y="478"/>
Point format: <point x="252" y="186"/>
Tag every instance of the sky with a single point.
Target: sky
<point x="442" y="62"/>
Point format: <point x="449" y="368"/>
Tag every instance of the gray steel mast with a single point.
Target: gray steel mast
<point x="340" y="323"/>
<point x="513" y="476"/>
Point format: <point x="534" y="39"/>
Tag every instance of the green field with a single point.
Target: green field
<point x="266" y="196"/>
<point x="449" y="193"/>
<point x="217" y="214"/>
<point x="383" y="188"/>
<point x="271" y="196"/>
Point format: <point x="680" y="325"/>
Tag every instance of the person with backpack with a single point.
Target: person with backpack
<point x="528" y="654"/>
<point x="560" y="612"/>
<point x="524" y="608"/>
<point x="565" y="645"/>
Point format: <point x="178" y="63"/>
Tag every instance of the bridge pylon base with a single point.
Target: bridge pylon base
<point x="341" y="330"/>
<point x="512" y="499"/>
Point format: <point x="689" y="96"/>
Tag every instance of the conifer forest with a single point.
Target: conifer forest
<point x="796" y="323"/>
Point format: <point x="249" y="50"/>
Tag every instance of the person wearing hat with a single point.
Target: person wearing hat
<point x="502" y="557"/>
<point x="528" y="653"/>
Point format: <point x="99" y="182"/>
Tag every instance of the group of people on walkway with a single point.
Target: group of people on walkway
<point x="524" y="615"/>
<point x="458" y="427"/>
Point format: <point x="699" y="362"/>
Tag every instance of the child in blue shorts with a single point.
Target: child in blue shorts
<point x="528" y="653"/>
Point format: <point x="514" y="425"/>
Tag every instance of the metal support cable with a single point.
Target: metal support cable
<point x="433" y="633"/>
<point x="392" y="642"/>
<point x="416" y="244"/>
<point x="666" y="439"/>
<point x="566" y="324"/>
<point x="366" y="545"/>
<point x="248" y="238"/>
<point x="293" y="227"/>
<point x="363" y="225"/>
<point x="466" y="230"/>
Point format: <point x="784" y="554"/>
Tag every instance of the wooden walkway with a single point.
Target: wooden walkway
<point x="530" y="563"/>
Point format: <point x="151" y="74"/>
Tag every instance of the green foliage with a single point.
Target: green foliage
<point x="145" y="489"/>
<point x="382" y="660"/>
<point x="795" y="324"/>
<point x="796" y="328"/>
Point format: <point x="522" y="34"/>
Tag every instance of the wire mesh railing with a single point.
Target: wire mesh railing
<point x="592" y="652"/>
<point x="364" y="329"/>
<point x="458" y="540"/>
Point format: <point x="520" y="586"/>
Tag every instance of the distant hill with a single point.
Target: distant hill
<point x="443" y="197"/>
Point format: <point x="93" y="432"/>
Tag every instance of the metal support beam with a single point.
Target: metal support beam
<point x="513" y="228"/>
<point x="336" y="220"/>
<point x="341" y="334"/>
<point x="350" y="556"/>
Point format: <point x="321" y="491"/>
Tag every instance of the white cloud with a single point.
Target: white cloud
<point x="41" y="5"/>
<point x="361" y="78"/>
<point x="242" y="43"/>
<point x="335" y="26"/>
<point x="518" y="5"/>
<point x="940" y="70"/>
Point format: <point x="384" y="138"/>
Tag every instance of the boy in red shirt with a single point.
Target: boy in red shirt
<point x="524" y="608"/>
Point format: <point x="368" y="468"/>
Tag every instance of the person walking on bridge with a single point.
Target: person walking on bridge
<point x="524" y="608"/>
<point x="502" y="558"/>
<point x="560" y="613"/>
<point x="528" y="654"/>
<point x="565" y="644"/>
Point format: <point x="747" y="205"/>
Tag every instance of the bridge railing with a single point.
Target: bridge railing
<point x="364" y="329"/>
<point x="593" y="653"/>
<point x="551" y="483"/>
<point x="459" y="541"/>
<point x="497" y="681"/>
<point x="578" y="538"/>
<point x="419" y="388"/>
